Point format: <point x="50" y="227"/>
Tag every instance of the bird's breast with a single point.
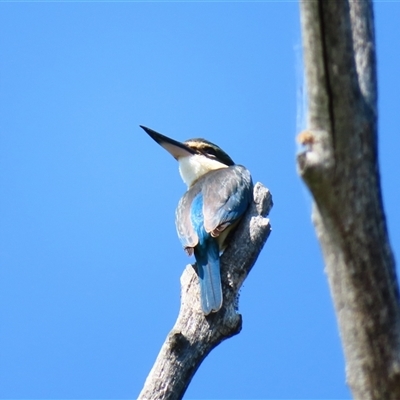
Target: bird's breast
<point x="195" y="166"/>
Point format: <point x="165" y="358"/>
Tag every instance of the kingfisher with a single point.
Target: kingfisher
<point x="218" y="194"/>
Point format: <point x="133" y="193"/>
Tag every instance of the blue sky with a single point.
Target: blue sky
<point x="89" y="258"/>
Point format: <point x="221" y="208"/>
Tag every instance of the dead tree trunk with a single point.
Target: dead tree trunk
<point x="340" y="167"/>
<point x="195" y="335"/>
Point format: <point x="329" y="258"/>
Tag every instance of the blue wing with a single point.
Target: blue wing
<point x="226" y="197"/>
<point x="183" y="218"/>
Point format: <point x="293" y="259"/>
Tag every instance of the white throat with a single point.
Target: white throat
<point x="193" y="167"/>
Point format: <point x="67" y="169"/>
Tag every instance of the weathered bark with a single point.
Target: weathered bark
<point x="340" y="167"/>
<point x="195" y="335"/>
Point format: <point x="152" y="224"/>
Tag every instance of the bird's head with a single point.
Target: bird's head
<point x="196" y="157"/>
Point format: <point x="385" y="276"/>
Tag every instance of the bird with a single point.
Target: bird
<point x="218" y="194"/>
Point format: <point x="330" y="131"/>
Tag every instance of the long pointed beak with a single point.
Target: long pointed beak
<point x="177" y="149"/>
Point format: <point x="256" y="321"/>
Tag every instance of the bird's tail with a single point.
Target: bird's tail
<point x="207" y="257"/>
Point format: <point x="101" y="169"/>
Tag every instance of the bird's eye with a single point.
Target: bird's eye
<point x="210" y="151"/>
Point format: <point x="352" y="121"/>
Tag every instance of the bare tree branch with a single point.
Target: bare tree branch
<point x="195" y="335"/>
<point x="340" y="167"/>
